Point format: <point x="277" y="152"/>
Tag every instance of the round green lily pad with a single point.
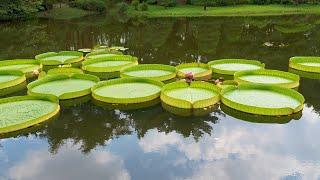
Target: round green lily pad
<point x="96" y="54"/>
<point x="60" y="58"/>
<point x="61" y="70"/>
<point x="196" y="95"/>
<point x="24" y="111"/>
<point x="64" y="86"/>
<point x="108" y="67"/>
<point x="158" y="72"/>
<point x="189" y="112"/>
<point x="127" y="90"/>
<point x="11" y="78"/>
<point x="200" y="71"/>
<point x="268" y="77"/>
<point x="263" y="99"/>
<point x="305" y="74"/>
<point x="308" y="64"/>
<point x="30" y="67"/>
<point x="230" y="66"/>
<point x="259" y="118"/>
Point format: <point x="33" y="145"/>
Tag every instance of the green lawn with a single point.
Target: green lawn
<point x="241" y="10"/>
<point x="65" y="13"/>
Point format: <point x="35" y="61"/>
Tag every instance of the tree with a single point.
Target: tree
<point x="13" y="9"/>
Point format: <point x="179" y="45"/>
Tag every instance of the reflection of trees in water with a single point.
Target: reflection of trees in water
<point x="157" y="118"/>
<point x="91" y="126"/>
<point x="310" y="88"/>
<point x="87" y="125"/>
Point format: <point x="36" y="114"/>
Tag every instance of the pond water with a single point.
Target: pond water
<point x="89" y="142"/>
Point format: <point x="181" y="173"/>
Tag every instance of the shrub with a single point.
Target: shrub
<point x="151" y="1"/>
<point x="167" y="3"/>
<point x="143" y="6"/>
<point x="122" y="8"/>
<point x="135" y="4"/>
<point x="10" y="9"/>
<point x="91" y="5"/>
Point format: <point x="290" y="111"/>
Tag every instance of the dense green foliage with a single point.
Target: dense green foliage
<point x="14" y="9"/>
<point x="91" y="5"/>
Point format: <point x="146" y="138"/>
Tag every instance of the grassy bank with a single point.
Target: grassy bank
<point x="65" y="13"/>
<point x="241" y="10"/>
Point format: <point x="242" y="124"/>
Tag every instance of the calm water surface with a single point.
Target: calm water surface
<point x="89" y="142"/>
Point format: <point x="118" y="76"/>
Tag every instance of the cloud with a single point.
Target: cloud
<point x="69" y="163"/>
<point x="242" y="150"/>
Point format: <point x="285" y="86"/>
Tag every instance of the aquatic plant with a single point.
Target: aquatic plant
<point x="108" y="67"/>
<point x="158" y="72"/>
<point x="127" y="90"/>
<point x="59" y="58"/>
<point x="24" y="111"/>
<point x="10" y="78"/>
<point x="305" y="63"/>
<point x="200" y="71"/>
<point x="64" y="86"/>
<point x="196" y="95"/>
<point x="230" y="66"/>
<point x="271" y="77"/>
<point x="30" y="67"/>
<point x="262" y="99"/>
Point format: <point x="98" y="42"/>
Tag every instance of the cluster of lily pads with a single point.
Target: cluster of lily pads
<point x="115" y="80"/>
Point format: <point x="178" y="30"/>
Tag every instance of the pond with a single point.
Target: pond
<point x="89" y="142"/>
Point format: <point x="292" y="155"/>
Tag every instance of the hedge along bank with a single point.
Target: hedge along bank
<point x="63" y="86"/>
<point x="30" y="67"/>
<point x="20" y="112"/>
<point x="158" y="72"/>
<point x="268" y="77"/>
<point x="108" y="67"/>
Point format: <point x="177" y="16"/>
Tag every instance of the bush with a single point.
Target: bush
<point x="143" y="6"/>
<point x="122" y="8"/>
<point x="10" y="9"/>
<point x="167" y="3"/>
<point x="151" y="1"/>
<point x="135" y="4"/>
<point x="91" y="5"/>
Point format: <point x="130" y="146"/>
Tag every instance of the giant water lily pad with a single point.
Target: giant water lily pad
<point x="199" y="71"/>
<point x="108" y="67"/>
<point x="96" y="54"/>
<point x="62" y="70"/>
<point x="11" y="78"/>
<point x="308" y="64"/>
<point x="30" y="67"/>
<point x="196" y="95"/>
<point x="230" y="66"/>
<point x="127" y="90"/>
<point x="64" y="86"/>
<point x="259" y="118"/>
<point x="271" y="77"/>
<point x="153" y="71"/>
<point x="60" y="58"/>
<point x="263" y="99"/>
<point x="24" y="111"/>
